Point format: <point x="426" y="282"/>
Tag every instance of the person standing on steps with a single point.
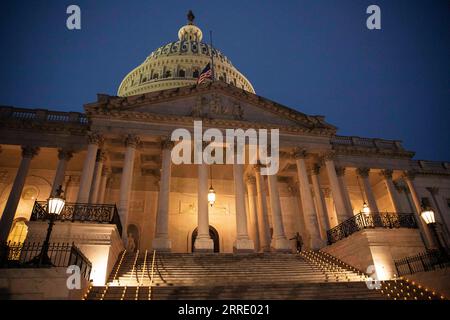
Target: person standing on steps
<point x="298" y="242"/>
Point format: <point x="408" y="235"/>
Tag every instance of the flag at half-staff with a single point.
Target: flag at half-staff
<point x="206" y="74"/>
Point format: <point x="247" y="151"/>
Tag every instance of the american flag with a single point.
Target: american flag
<point x="206" y="74"/>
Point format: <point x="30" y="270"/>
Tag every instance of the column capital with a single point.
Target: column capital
<point x="363" y="172"/>
<point x="387" y="173"/>
<point x="433" y="190"/>
<point x="132" y="140"/>
<point x="250" y="179"/>
<point x="329" y="155"/>
<point x="340" y="171"/>
<point x="410" y="175"/>
<point x="29" y="151"/>
<point x="299" y="153"/>
<point x="64" y="154"/>
<point x="166" y="143"/>
<point x="101" y="156"/>
<point x="257" y="167"/>
<point x="316" y="169"/>
<point x="95" y="138"/>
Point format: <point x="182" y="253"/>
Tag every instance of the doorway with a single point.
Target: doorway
<point x="213" y="234"/>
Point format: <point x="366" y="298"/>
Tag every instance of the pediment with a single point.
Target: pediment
<point x="216" y="102"/>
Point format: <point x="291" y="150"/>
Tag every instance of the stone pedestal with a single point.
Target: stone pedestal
<point x="162" y="244"/>
<point x="204" y="245"/>
<point x="243" y="246"/>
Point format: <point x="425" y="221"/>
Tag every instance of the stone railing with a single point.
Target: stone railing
<point x="430" y="166"/>
<point x="363" y="221"/>
<point x="42" y="115"/>
<point x="367" y="142"/>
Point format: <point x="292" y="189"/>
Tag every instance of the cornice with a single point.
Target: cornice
<point x="111" y="104"/>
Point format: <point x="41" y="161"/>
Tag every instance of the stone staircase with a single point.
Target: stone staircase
<point x="229" y="276"/>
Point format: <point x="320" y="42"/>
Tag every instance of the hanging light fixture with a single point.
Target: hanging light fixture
<point x="211" y="192"/>
<point x="365" y="207"/>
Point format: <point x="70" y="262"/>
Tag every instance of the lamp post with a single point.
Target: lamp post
<point x="55" y="204"/>
<point x="427" y="215"/>
<point x="211" y="192"/>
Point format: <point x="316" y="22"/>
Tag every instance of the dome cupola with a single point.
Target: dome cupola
<point x="179" y="64"/>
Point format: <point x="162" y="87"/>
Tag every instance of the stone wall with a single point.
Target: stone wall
<point x="38" y="284"/>
<point x="377" y="247"/>
<point x="100" y="243"/>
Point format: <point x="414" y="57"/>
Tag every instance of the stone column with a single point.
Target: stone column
<point x="126" y="180"/>
<point x="203" y="242"/>
<point x="263" y="219"/>
<point x="340" y="172"/>
<point x="252" y="208"/>
<point x="309" y="210"/>
<point x="93" y="195"/>
<point x="243" y="243"/>
<point x="94" y="141"/>
<point x="336" y="190"/>
<point x="387" y="177"/>
<point x="434" y="192"/>
<point x="363" y="173"/>
<point x="279" y="241"/>
<point x="64" y="156"/>
<point x="428" y="237"/>
<point x="322" y="212"/>
<point x="161" y="241"/>
<point x="9" y="212"/>
<point x="103" y="184"/>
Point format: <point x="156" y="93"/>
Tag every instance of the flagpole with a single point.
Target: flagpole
<point x="212" y="56"/>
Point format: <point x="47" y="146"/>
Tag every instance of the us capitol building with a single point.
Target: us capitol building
<point x="130" y="210"/>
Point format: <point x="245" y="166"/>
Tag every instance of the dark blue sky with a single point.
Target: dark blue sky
<point x="315" y="56"/>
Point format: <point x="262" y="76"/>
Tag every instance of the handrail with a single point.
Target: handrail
<point x="362" y="221"/>
<point x="151" y="276"/>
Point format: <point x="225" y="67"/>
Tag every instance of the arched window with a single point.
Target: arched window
<point x="167" y="74"/>
<point x="155" y="76"/>
<point x="195" y="74"/>
<point x="181" y="73"/>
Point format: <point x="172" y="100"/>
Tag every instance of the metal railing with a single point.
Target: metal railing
<point x="21" y="255"/>
<point x="152" y="273"/>
<point x="426" y="261"/>
<point x="80" y="212"/>
<point x="373" y="220"/>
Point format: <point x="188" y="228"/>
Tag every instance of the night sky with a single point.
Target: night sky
<point x="315" y="56"/>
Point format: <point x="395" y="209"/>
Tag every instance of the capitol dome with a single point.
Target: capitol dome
<point x="179" y="64"/>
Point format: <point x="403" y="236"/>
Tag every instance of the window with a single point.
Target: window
<point x="181" y="73"/>
<point x="155" y="76"/>
<point x="167" y="74"/>
<point x="195" y="74"/>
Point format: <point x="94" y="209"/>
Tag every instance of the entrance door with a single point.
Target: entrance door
<point x="214" y="235"/>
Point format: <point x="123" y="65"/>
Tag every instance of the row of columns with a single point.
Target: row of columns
<point x="94" y="179"/>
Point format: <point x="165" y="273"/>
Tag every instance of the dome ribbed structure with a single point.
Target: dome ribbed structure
<point x="179" y="63"/>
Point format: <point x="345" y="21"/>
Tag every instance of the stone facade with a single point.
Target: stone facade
<point x="117" y="152"/>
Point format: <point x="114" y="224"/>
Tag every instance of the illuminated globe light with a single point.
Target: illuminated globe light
<point x="56" y="204"/>
<point x="211" y="196"/>
<point x="365" y="208"/>
<point x="428" y="215"/>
